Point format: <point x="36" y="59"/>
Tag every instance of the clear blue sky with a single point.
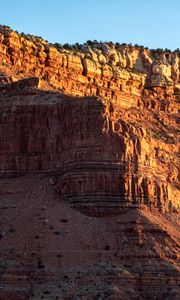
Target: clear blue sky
<point x="152" y="23"/>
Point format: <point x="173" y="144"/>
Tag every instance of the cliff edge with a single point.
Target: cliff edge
<point x="89" y="170"/>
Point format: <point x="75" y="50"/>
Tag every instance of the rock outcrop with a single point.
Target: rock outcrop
<point x="91" y="137"/>
<point x="109" y="158"/>
<point x="23" y="84"/>
<point x="97" y="69"/>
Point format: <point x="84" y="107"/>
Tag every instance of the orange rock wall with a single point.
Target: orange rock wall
<point x="99" y="70"/>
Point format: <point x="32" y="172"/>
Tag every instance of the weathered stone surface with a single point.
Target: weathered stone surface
<point x="108" y="157"/>
<point x="89" y="186"/>
<point x="22" y="84"/>
<point x="112" y="67"/>
<point x="50" y="250"/>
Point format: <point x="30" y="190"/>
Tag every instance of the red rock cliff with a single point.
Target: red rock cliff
<point x="100" y="69"/>
<point x="125" y="146"/>
<point x="109" y="158"/>
<point x="98" y="131"/>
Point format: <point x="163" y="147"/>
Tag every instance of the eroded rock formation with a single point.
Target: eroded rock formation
<point x="100" y="69"/>
<point x="111" y="153"/>
<point x="107" y="156"/>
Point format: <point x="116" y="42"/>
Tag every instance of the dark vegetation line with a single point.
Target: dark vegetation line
<point x="94" y="43"/>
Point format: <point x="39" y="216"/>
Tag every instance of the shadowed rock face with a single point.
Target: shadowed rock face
<point x="22" y="84"/>
<point x="51" y="251"/>
<point x="89" y="186"/>
<point x="106" y="156"/>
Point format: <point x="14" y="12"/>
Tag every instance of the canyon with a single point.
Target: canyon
<point x="89" y="170"/>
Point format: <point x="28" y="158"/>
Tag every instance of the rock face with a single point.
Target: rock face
<point x="108" y="161"/>
<point x="51" y="251"/>
<point x="98" y="69"/>
<point x="20" y="85"/>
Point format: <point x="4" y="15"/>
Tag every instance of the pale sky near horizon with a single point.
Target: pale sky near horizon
<point x="152" y="23"/>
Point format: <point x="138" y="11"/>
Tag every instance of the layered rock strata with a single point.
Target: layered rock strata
<point x="108" y="158"/>
<point x="99" y="69"/>
<point x="66" y="161"/>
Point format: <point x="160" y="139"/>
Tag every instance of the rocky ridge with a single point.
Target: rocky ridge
<point x="101" y="69"/>
<point x="89" y="164"/>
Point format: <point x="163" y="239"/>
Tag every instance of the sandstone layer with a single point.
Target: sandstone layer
<point x="89" y="171"/>
<point x="106" y="155"/>
<point x="97" y="69"/>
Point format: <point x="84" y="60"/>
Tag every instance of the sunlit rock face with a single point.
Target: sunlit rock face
<point x="92" y="69"/>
